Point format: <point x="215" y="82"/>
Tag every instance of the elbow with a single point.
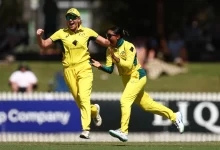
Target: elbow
<point x="43" y="46"/>
<point x="110" y="72"/>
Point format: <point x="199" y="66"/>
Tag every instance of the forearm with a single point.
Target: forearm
<point x="44" y="43"/>
<point x="102" y="41"/>
<point x="41" y="42"/>
<point x="106" y="69"/>
<point x="116" y="59"/>
<point x="106" y="43"/>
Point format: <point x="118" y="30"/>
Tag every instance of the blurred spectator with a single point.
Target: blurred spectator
<point x="141" y="55"/>
<point x="193" y="32"/>
<point x="140" y="44"/>
<point x="23" y="80"/>
<point x="51" y="12"/>
<point x="177" y="49"/>
<point x="194" y="41"/>
<point x="149" y="56"/>
<point x="156" y="67"/>
<point x="152" y="43"/>
<point x="163" y="52"/>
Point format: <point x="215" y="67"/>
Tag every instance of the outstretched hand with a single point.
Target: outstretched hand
<point x="96" y="63"/>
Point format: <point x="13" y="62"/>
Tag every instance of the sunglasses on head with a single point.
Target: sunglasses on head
<point x="108" y="35"/>
<point x="72" y="17"/>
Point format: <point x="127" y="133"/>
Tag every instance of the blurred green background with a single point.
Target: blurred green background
<point x="202" y="77"/>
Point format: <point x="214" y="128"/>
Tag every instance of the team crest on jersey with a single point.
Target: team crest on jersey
<point x="122" y="53"/>
<point x="131" y="49"/>
<point x="67" y="35"/>
<point x="75" y="42"/>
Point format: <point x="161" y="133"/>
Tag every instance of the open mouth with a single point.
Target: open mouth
<point x="71" y="24"/>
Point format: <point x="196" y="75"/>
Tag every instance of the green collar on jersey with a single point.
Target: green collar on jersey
<point x="120" y="42"/>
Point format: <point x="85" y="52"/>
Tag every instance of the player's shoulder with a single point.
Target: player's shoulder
<point x="129" y="45"/>
<point x="16" y="72"/>
<point x="29" y="72"/>
<point x="88" y="30"/>
<point x="63" y="30"/>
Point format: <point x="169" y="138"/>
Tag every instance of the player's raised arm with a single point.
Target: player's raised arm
<point x="41" y="42"/>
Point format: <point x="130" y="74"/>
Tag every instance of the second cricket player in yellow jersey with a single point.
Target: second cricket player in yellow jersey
<point x="123" y="54"/>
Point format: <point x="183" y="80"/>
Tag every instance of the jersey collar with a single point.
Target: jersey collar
<point x="79" y="29"/>
<point x="120" y="42"/>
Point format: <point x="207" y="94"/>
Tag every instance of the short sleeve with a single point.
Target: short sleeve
<point x="13" y="77"/>
<point x="32" y="78"/>
<point x="56" y="35"/>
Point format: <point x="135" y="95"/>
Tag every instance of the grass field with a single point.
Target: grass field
<point x="202" y="77"/>
<point x="111" y="146"/>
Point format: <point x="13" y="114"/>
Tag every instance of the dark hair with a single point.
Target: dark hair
<point x="119" y="31"/>
<point x="23" y="65"/>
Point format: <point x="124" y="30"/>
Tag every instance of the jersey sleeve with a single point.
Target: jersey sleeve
<point x="56" y="35"/>
<point x="32" y="78"/>
<point x="130" y="53"/>
<point x="92" y="34"/>
<point x="109" y="66"/>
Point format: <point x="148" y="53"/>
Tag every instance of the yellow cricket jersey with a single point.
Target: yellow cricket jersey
<point x="128" y="59"/>
<point x="75" y="44"/>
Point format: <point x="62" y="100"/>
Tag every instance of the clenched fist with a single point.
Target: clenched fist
<point x="40" y="32"/>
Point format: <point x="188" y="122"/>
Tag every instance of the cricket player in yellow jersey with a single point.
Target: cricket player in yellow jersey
<point x="123" y="54"/>
<point x="76" y="62"/>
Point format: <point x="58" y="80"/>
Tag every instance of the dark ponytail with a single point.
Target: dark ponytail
<point x="119" y="31"/>
<point x="125" y="33"/>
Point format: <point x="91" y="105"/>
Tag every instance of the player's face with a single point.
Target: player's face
<point x="112" y="37"/>
<point x="23" y="69"/>
<point x="72" y="22"/>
